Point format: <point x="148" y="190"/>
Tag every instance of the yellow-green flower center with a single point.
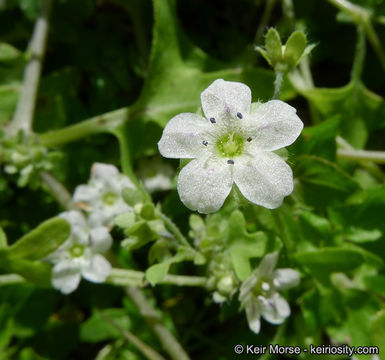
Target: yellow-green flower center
<point x="230" y="145"/>
<point x="77" y="250"/>
<point x="110" y="198"/>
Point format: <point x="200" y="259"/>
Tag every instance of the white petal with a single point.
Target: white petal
<point x="125" y="182"/>
<point x="97" y="269"/>
<point x="249" y="284"/>
<point x="253" y="315"/>
<point x="204" y="184"/>
<point x="183" y="136"/>
<point x="78" y="225"/>
<point x="286" y="278"/>
<point x="267" y="265"/>
<point x="85" y="193"/>
<point x="275" y="309"/>
<point x="264" y="179"/>
<point x="101" y="239"/>
<point x="65" y="277"/>
<point x="104" y="172"/>
<point x="273" y="125"/>
<point x="226" y="98"/>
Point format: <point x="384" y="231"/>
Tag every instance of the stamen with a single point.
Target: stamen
<point x="249" y="139"/>
<point x="240" y="115"/>
<point x="205" y="143"/>
<point x="231" y="162"/>
<point x="213" y="120"/>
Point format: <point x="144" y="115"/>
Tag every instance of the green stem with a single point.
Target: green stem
<point x="146" y="350"/>
<point x="123" y="277"/>
<point x="168" y="340"/>
<point x="359" y="57"/>
<point x="278" y="84"/>
<point x="58" y="191"/>
<point x="98" y="124"/>
<point x="25" y="109"/>
<point x="173" y="228"/>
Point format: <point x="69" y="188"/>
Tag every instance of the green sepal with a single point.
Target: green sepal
<point x="148" y="211"/>
<point x="273" y="46"/>
<point x="294" y="49"/>
<point x="126" y="220"/>
<point x="41" y="241"/>
<point x="132" y="196"/>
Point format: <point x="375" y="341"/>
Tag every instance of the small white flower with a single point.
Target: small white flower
<point x="102" y="197"/>
<point x="79" y="256"/>
<point x="259" y="293"/>
<point x="233" y="144"/>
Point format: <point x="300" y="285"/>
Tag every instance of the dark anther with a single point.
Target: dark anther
<point x="240" y="115"/>
<point x="231" y="162"/>
<point x="204" y="142"/>
<point x="213" y="120"/>
<point x="249" y="139"/>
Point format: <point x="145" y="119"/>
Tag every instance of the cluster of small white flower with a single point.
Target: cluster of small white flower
<point x="81" y="254"/>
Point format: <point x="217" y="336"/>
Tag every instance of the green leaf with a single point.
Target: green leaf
<point x="243" y="246"/>
<point x="41" y="241"/>
<point x="358" y="109"/>
<point x="325" y="261"/>
<point x="377" y="331"/>
<point x="323" y="183"/>
<point x="295" y="47"/>
<point x="97" y="328"/>
<point x="318" y="140"/>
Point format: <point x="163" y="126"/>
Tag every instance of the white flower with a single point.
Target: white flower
<point x="233" y="144"/>
<point x="102" y="197"/>
<point x="79" y="256"/>
<point x="259" y="293"/>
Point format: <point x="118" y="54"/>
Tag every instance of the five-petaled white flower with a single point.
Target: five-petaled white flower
<point x="79" y="256"/>
<point x="259" y="293"/>
<point x="233" y="144"/>
<point x="102" y="197"/>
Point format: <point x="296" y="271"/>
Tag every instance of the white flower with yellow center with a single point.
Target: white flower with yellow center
<point x="234" y="143"/>
<point x="80" y="255"/>
<point x="259" y="294"/>
<point x="102" y="197"/>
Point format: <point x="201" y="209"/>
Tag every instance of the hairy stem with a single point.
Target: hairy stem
<point x="98" y="124"/>
<point x="146" y="350"/>
<point x="173" y="228"/>
<point x="359" y="57"/>
<point x="123" y="277"/>
<point x="362" y="17"/>
<point x="168" y="340"/>
<point x="10" y="279"/>
<point x="362" y="155"/>
<point x="23" y="117"/>
<point x="278" y="84"/>
<point x="58" y="191"/>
